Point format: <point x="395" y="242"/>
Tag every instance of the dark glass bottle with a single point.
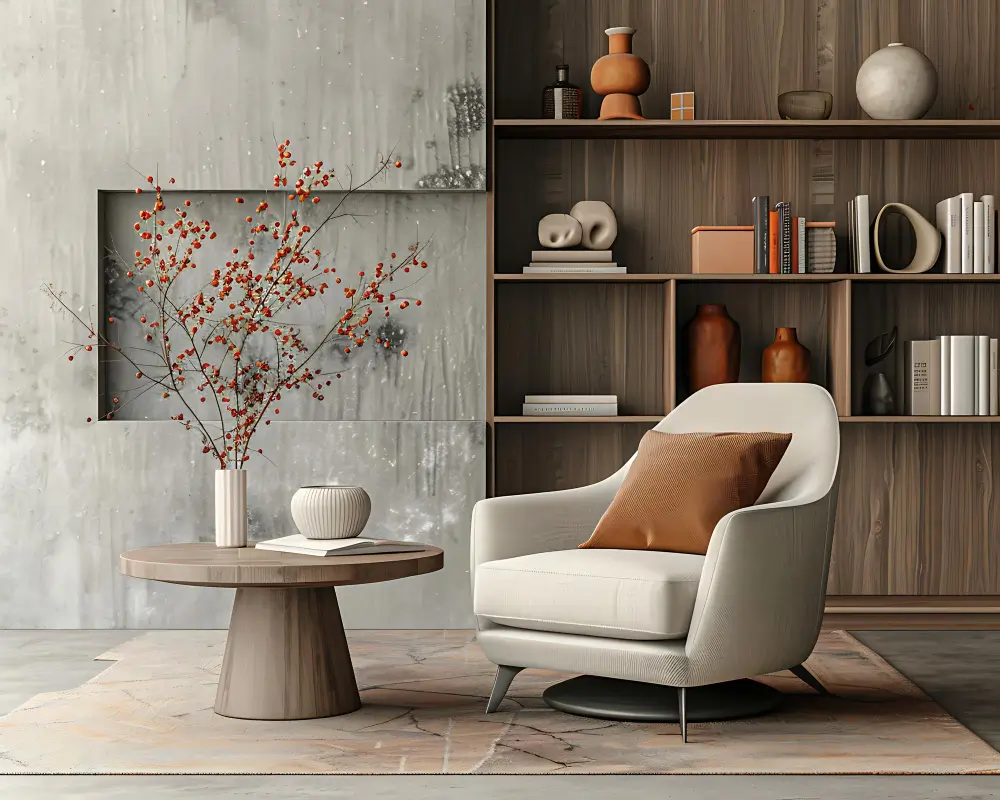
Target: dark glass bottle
<point x="561" y="100"/>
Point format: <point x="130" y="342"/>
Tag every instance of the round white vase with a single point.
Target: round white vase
<point x="230" y="508"/>
<point x="897" y="82"/>
<point x="331" y="512"/>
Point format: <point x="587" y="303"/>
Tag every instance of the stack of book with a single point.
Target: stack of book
<point x="572" y="261"/>
<point x="952" y="376"/>
<point x="336" y="547"/>
<point x="785" y="244"/>
<point x="970" y="234"/>
<point x="570" y="405"/>
<point x="859" y="234"/>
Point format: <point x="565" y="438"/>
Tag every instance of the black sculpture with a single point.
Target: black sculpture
<point x="877" y="398"/>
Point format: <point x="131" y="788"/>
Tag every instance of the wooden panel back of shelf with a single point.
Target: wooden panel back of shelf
<point x="688" y="277"/>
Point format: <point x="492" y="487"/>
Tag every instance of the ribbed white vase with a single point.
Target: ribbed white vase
<point x="230" y="508"/>
<point x="331" y="512"/>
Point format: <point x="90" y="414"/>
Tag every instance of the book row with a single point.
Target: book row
<point x="952" y="376"/>
<point x="781" y="245"/>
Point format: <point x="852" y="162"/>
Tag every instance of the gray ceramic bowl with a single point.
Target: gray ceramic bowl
<point x="805" y="104"/>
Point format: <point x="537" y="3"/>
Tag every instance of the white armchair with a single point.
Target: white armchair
<point x="753" y="604"/>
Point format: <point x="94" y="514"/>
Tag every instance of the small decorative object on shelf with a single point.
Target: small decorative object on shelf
<point x="598" y="224"/>
<point x="331" y="512"/>
<point x="877" y="398"/>
<point x="927" y="236"/>
<point x="559" y="230"/>
<point x="805" y="104"/>
<point x="681" y="105"/>
<point x="897" y="82"/>
<point x="561" y="100"/>
<point x="224" y="348"/>
<point x="620" y="76"/>
<point x="712" y="348"/>
<point x="785" y="360"/>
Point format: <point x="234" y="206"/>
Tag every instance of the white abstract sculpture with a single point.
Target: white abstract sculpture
<point x="598" y="223"/>
<point x="559" y="230"/>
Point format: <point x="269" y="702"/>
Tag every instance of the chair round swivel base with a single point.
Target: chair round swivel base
<point x="632" y="701"/>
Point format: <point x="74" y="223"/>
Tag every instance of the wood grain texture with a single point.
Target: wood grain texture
<point x="286" y="657"/>
<point x="917" y="513"/>
<point x="839" y="332"/>
<point x="542" y="458"/>
<point x="580" y="339"/>
<point x="204" y="564"/>
<point x="759" y="310"/>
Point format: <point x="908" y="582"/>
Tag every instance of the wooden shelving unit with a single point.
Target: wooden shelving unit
<point x="918" y="528"/>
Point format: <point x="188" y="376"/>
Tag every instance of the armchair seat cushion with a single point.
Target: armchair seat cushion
<point x="617" y="594"/>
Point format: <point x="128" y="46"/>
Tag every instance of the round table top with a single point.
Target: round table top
<point x="204" y="564"/>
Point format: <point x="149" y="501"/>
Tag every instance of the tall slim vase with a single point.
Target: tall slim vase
<point x="230" y="508"/>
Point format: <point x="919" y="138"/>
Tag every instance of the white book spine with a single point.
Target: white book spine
<point x="571" y="410"/>
<point x="989" y="234"/>
<point x="567" y="269"/>
<point x="963" y="376"/>
<point x="949" y="222"/>
<point x="982" y="375"/>
<point x="570" y="399"/>
<point x="863" y="223"/>
<point x="968" y="255"/>
<point x="566" y="265"/>
<point x="978" y="233"/>
<point x="945" y="375"/>
<point x="556" y="256"/>
<point x="994" y="386"/>
<point x="923" y="378"/>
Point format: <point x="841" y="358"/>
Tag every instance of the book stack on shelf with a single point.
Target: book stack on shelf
<point x="952" y="376"/>
<point x="970" y="234"/>
<point x="785" y="244"/>
<point x="572" y="261"/>
<point x="570" y="405"/>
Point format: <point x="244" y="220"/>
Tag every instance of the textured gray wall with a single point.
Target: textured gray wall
<point x="199" y="89"/>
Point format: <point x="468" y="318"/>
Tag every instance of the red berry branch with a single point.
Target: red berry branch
<point x="201" y="341"/>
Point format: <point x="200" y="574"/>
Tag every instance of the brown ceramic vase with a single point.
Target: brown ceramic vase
<point x="713" y="348"/>
<point x="620" y="76"/>
<point x="785" y="360"/>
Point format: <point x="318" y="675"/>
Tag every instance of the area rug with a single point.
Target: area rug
<point x="424" y="694"/>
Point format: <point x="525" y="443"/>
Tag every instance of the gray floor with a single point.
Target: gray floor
<point x="959" y="669"/>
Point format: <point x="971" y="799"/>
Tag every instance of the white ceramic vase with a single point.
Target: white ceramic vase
<point x="331" y="512"/>
<point x="897" y="82"/>
<point x="230" y="508"/>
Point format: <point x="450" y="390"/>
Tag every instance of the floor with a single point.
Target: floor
<point x="959" y="669"/>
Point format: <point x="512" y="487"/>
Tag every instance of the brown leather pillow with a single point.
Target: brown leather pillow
<point x="681" y="484"/>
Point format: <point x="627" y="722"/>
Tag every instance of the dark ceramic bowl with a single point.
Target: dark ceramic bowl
<point x="805" y="104"/>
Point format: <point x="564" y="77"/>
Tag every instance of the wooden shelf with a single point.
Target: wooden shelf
<point x="922" y="418"/>
<point x="639" y="418"/>
<point x="912" y="612"/>
<point x="688" y="277"/>
<point x="746" y="129"/>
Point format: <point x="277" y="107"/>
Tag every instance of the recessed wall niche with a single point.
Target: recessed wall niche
<point x="445" y="367"/>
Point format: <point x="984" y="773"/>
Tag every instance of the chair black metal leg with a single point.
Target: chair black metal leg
<point x="682" y="708"/>
<point x="500" y="686"/>
<point x="809" y="679"/>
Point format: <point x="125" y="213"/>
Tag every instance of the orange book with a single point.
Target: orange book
<point x="795" y="244"/>
<point x="773" y="246"/>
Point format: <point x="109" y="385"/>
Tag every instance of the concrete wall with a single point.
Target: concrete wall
<point x="199" y="89"/>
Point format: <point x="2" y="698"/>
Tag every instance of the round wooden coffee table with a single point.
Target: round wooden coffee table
<point x="286" y="652"/>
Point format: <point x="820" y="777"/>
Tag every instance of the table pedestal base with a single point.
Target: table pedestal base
<point x="286" y="657"/>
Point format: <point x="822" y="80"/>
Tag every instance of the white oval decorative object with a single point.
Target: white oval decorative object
<point x="928" y="240"/>
<point x="897" y="82"/>
<point x="331" y="512"/>
<point x="598" y="223"/>
<point x="559" y="230"/>
<point x="230" y="508"/>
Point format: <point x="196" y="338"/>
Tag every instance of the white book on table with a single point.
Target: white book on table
<point x="982" y="375"/>
<point x="555" y="256"/>
<point x="569" y="409"/>
<point x="570" y="269"/>
<point x="863" y="233"/>
<point x="994" y="386"/>
<point x="945" y="342"/>
<point x="989" y="234"/>
<point x="336" y="547"/>
<point x="923" y="378"/>
<point x="949" y="222"/>
<point x="978" y="233"/>
<point x="968" y="254"/>
<point x="963" y="376"/>
<point x="570" y="399"/>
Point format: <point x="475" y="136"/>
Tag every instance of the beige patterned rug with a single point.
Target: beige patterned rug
<point x="424" y="694"/>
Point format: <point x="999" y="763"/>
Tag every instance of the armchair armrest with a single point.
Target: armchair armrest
<point x="520" y="525"/>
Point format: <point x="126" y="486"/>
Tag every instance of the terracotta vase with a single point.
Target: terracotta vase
<point x="620" y="76"/>
<point x="712" y="345"/>
<point x="785" y="360"/>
